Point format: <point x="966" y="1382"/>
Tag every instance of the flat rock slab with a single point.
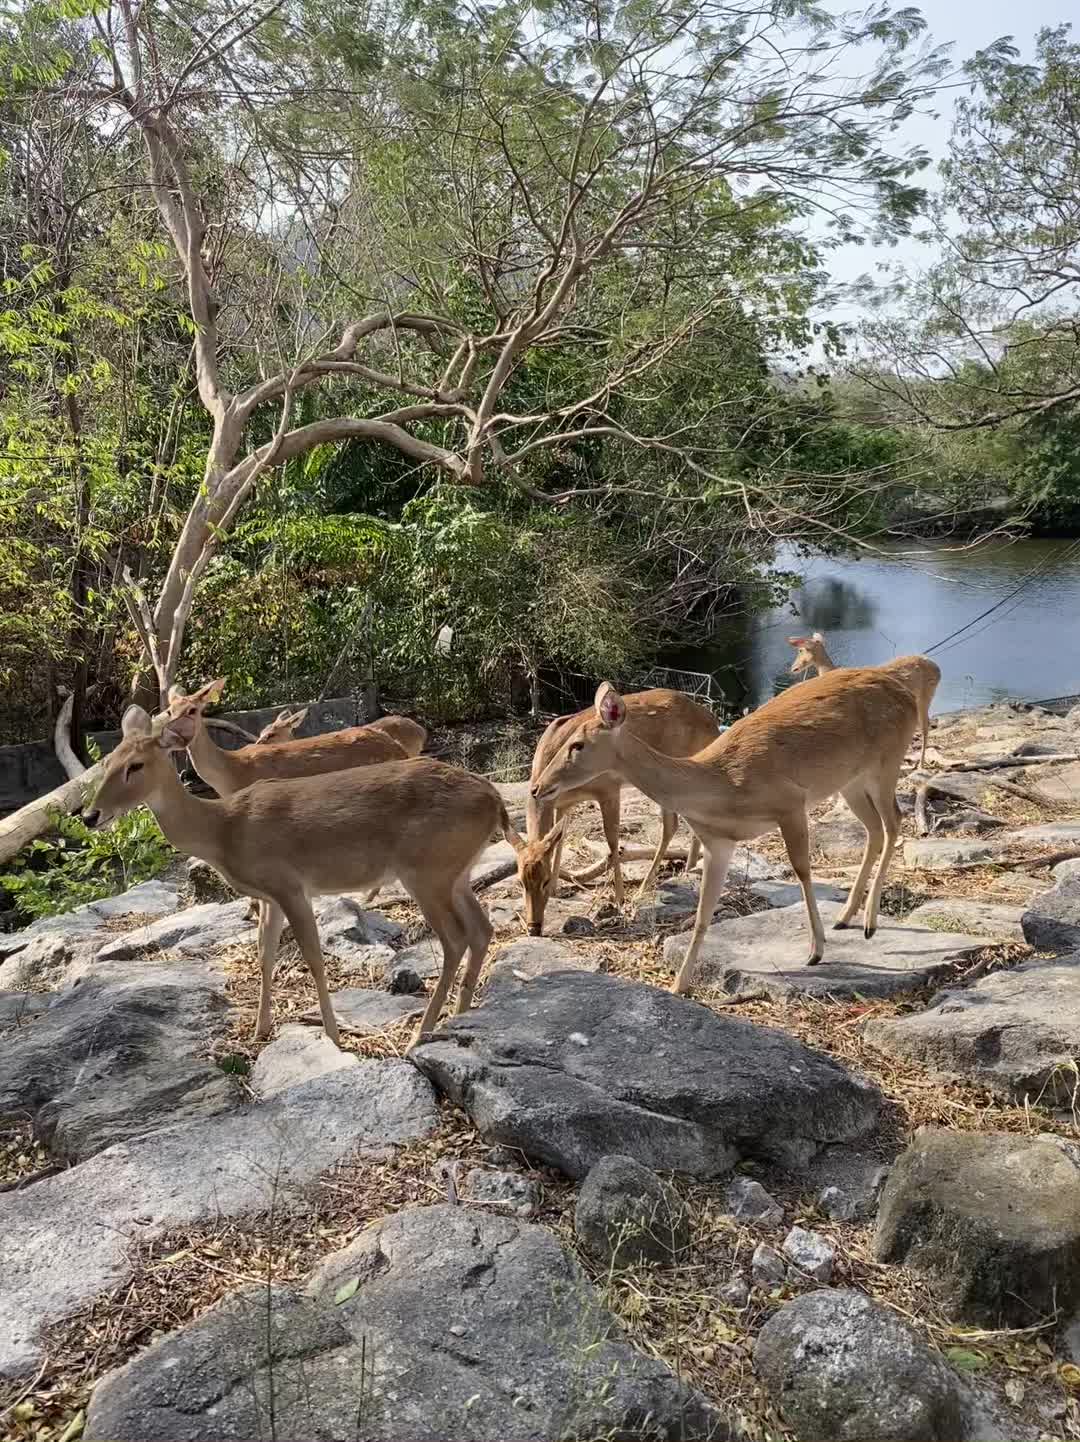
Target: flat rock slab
<point x="1050" y="833"/>
<point x="537" y="956"/>
<point x="1015" y="1031"/>
<point x="994" y="1219"/>
<point x="436" y="1323"/>
<point x="572" y="1066"/>
<point x="69" y="1237"/>
<point x="365" y="1012"/>
<point x="117" y="1054"/>
<point x="764" y="953"/>
<point x="677" y="902"/>
<point x="936" y="853"/>
<point x="778" y="894"/>
<point x="976" y="918"/>
<point x="193" y="932"/>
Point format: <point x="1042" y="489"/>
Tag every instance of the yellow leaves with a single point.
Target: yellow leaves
<point x="1070" y="1376"/>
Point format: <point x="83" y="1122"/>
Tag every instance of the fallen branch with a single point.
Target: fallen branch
<point x="1013" y="761"/>
<point x="37" y="817"/>
<point x="65" y="752"/>
<point x="1017" y="861"/>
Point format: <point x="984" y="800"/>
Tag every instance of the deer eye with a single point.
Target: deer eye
<point x="575" y="747"/>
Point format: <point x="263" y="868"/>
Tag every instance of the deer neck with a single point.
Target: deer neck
<point x="826" y="664"/>
<point x="188" y="822"/>
<point x="212" y="763"/>
<point x="675" y="783"/>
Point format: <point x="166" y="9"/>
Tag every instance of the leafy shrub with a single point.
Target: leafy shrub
<point x="79" y="865"/>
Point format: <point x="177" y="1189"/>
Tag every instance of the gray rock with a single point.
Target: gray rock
<point x="436" y="1323"/>
<point x="19" y="1008"/>
<point x="1015" y="1031"/>
<point x="675" y="902"/>
<point x="626" y="1214"/>
<point x="297" y="1054"/>
<point x="117" y="1054"/>
<point x="942" y="854"/>
<point x="735" y="1294"/>
<point x="811" y="1257"/>
<point x="994" y="1219"/>
<point x="578" y="926"/>
<point x="536" y="957"/>
<point x="149" y="898"/>
<point x="573" y="1066"/>
<point x="750" y="1202"/>
<point x="1067" y="870"/>
<point x="1052" y="921"/>
<point x="206" y="884"/>
<point x="767" y="1266"/>
<point x="503" y="1189"/>
<point x="62" y="1244"/>
<point x="363" y="1012"/>
<point x="838" y="1205"/>
<point x="841" y="1368"/>
<point x="789" y="893"/>
<point x="1047" y="833"/>
<point x="765" y="952"/>
<point x="976" y="918"/>
<point x="369" y="962"/>
<point x="349" y="932"/>
<point x="195" y="931"/>
<point x="411" y="967"/>
<point x="47" y="954"/>
<point x="841" y="838"/>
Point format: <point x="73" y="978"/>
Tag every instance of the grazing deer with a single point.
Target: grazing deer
<point x="283" y="842"/>
<point x="845" y="732"/>
<point x="668" y="720"/>
<point x="918" y="673"/>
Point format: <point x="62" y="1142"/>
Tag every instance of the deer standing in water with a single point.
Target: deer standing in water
<point x="283" y="842"/>
<point x="847" y="732"/>
<point x="918" y="673"/>
<point x="668" y="720"/>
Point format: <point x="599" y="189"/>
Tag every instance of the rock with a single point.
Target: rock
<point x="536" y="957"/>
<point x="750" y="1202"/>
<point x="976" y="918"/>
<point x="993" y="1218"/>
<point x="747" y="866"/>
<point x="810" y="1255"/>
<point x="837" y="840"/>
<point x="68" y="1238"/>
<point x="841" y="1368"/>
<point x="349" y="932"/>
<point x="767" y="1266"/>
<point x="838" y="1205"/>
<point x="625" y="1215"/>
<point x="735" y="1294"/>
<point x="149" y="898"/>
<point x="1014" y="886"/>
<point x="1052" y="921"/>
<point x="363" y="1012"/>
<point x="19" y="1008"/>
<point x="578" y="926"/>
<point x="369" y="962"/>
<point x="504" y="1189"/>
<point x="48" y="953"/>
<point x="1016" y="1031"/>
<point x="574" y="1066"/>
<point x="1047" y="833"/>
<point x="437" y="1322"/>
<point x="206" y="884"/>
<point x="789" y="893"/>
<point x="675" y="902"/>
<point x="412" y="967"/>
<point x="193" y="932"/>
<point x="117" y="1054"/>
<point x="296" y="1054"/>
<point x="941" y="854"/>
<point x="765" y="952"/>
<point x="1067" y="870"/>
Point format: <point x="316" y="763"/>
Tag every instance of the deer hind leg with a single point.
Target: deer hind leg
<point x="718" y="853"/>
<point x="609" y="812"/>
<point x="862" y="804"/>
<point x="271" y="925"/>
<point x="885" y="800"/>
<point x="693" y="851"/>
<point x="439" y="911"/>
<point x="297" y="908"/>
<point x="924" y="725"/>
<point x="478" y="932"/>
<point x="668" y="822"/>
<point x="796" y="836"/>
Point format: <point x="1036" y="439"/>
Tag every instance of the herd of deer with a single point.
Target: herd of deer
<point x="348" y="811"/>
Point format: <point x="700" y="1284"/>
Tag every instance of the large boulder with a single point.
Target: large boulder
<point x="766" y="953"/>
<point x="978" y="918"/>
<point x="572" y="1067"/>
<point x="1052" y="920"/>
<point x="1016" y="1031"/>
<point x="19" y="1008"/>
<point x="841" y="1368"/>
<point x="626" y="1214"/>
<point x="119" y="1053"/>
<point x="70" y="1237"/>
<point x="534" y="956"/>
<point x="436" y="1323"/>
<point x="994" y="1219"/>
<point x="196" y="931"/>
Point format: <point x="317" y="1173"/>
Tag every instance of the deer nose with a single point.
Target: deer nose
<point x="90" y="818"/>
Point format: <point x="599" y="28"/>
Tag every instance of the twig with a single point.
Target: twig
<point x="1013" y="761"/>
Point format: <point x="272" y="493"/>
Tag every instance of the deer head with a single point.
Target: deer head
<point x="139" y="767"/>
<point x="809" y="652"/>
<point x="588" y="750"/>
<point x="536" y="872"/>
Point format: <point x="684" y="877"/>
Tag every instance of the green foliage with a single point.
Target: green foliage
<point x="79" y="865"/>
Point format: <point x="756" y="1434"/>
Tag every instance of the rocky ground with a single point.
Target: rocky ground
<point x="838" y="1203"/>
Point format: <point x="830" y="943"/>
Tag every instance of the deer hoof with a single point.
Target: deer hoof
<point x="813" y="958"/>
<point x="868" y="931"/>
<point x="840" y="925"/>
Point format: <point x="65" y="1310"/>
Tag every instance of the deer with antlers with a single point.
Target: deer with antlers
<point x="845" y="732"/>
<point x="918" y="673"/>
<point x="668" y="720"/>
<point x="283" y="842"/>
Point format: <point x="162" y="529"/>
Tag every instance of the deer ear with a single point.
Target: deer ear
<point x="796" y="641"/>
<point x="171" y="738"/>
<point x="174" y="693"/>
<point x="610" y="706"/>
<point x="136" y="722"/>
<point x="818" y="637"/>
<point x="554" y="836"/>
<point x="297" y="719"/>
<point x="211" y="692"/>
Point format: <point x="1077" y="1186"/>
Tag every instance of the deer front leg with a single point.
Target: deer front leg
<point x="796" y="836"/>
<point x="609" y="812"/>
<point x="668" y="822"/>
<point x="718" y="853"/>
<point x="302" y="920"/>
<point x="271" y="925"/>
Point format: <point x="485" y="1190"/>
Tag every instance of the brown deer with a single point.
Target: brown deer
<point x="845" y="732"/>
<point x="918" y="673"/>
<point x="283" y="842"/>
<point x="282" y="728"/>
<point x="667" y="720"/>
<point x="409" y="735"/>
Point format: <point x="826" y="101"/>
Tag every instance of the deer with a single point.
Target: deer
<point x="282" y="842"/>
<point x="918" y="673"/>
<point x="668" y="720"/>
<point x="847" y="732"/>
<point x="409" y="735"/>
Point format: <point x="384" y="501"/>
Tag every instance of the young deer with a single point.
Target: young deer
<point x="283" y="842"/>
<point x="918" y="673"/>
<point x="668" y="720"/>
<point x="282" y="728"/>
<point x="409" y="735"/>
<point x="846" y="732"/>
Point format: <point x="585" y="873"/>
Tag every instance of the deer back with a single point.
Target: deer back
<point x="312" y="756"/>
<point x="918" y="673"/>
<point x="409" y="735"/>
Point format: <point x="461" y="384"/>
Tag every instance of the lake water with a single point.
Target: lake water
<point x="879" y="606"/>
